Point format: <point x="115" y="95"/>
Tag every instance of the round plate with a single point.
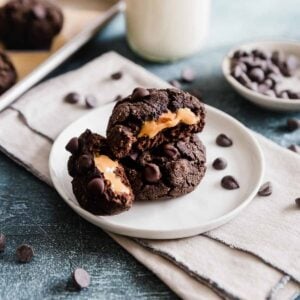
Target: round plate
<point x="206" y="208"/>
<point x="264" y="101"/>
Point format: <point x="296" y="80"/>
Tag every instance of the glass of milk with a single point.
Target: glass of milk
<point x="166" y="30"/>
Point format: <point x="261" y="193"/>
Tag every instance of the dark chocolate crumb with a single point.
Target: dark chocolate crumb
<point x="297" y="201"/>
<point x="294" y="148"/>
<point x="292" y="124"/>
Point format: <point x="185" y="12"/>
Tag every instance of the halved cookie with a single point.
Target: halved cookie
<point x="167" y="171"/>
<point x="99" y="181"/>
<point x="150" y="117"/>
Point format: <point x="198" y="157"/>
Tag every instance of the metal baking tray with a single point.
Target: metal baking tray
<point x="82" y="20"/>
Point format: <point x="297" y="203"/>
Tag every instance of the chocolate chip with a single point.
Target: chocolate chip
<point x="24" y="253"/>
<point x="294" y="148"/>
<point x="292" y="124"/>
<point x="91" y="101"/>
<point x="257" y="74"/>
<point x="240" y="53"/>
<point x="81" y="278"/>
<point x="72" y="98"/>
<point x="292" y="95"/>
<point x="152" y="173"/>
<point x="283" y="95"/>
<point x="96" y="186"/>
<point x="269" y="83"/>
<point x="237" y="71"/>
<point x="223" y="140"/>
<point x="39" y="12"/>
<point x="265" y="189"/>
<point x="72" y="145"/>
<point x="139" y="93"/>
<point x="116" y="76"/>
<point x="244" y="79"/>
<point x="229" y="183"/>
<point x="84" y="162"/>
<point x="297" y="201"/>
<point x="188" y="75"/>
<point x="134" y="156"/>
<point x="175" y="83"/>
<point x="219" y="163"/>
<point x="277" y="57"/>
<point x="2" y="242"/>
<point x="171" y="151"/>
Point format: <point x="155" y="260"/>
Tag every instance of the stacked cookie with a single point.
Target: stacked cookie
<point x="151" y="152"/>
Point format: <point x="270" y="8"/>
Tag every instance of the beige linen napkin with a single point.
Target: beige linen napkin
<point x="252" y="257"/>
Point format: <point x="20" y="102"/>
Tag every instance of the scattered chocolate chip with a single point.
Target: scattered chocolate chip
<point x="139" y="93"/>
<point x="265" y="189"/>
<point x="294" y="148"/>
<point x="2" y="242"/>
<point x="116" y="76"/>
<point x="229" y="183"/>
<point x="96" y="186"/>
<point x="297" y="201"/>
<point x="152" y="173"/>
<point x="171" y="151"/>
<point x="175" y="83"/>
<point x="24" y="253"/>
<point x="81" y="278"/>
<point x="118" y="98"/>
<point x="257" y="74"/>
<point x="72" y="145"/>
<point x="223" y="140"/>
<point x="219" y="163"/>
<point x="72" y="98"/>
<point x="84" y="162"/>
<point x="292" y="124"/>
<point x="91" y="101"/>
<point x="292" y="95"/>
<point x="188" y="75"/>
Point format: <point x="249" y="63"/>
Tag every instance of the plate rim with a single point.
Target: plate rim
<point x="99" y="221"/>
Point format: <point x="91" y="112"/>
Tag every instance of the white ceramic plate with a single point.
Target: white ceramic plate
<point x="208" y="207"/>
<point x="259" y="99"/>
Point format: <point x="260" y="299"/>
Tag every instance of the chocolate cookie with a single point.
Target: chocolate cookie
<point x="29" y="24"/>
<point x="149" y="117"/>
<point x="99" y="182"/>
<point x="167" y="171"/>
<point x="8" y="74"/>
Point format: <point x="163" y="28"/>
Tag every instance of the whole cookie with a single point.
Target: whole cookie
<point x="150" y="117"/>
<point x="29" y="24"/>
<point x="167" y="171"/>
<point x="99" y="182"/>
<point x="8" y="74"/>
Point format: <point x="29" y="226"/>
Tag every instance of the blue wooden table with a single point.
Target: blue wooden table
<point x="32" y="212"/>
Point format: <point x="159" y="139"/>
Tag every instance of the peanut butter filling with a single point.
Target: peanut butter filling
<point x="108" y="168"/>
<point x="168" y="120"/>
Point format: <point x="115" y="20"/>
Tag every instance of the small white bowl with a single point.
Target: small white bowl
<point x="264" y="101"/>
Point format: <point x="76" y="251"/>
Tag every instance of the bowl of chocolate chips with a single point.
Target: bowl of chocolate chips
<point x="266" y="73"/>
